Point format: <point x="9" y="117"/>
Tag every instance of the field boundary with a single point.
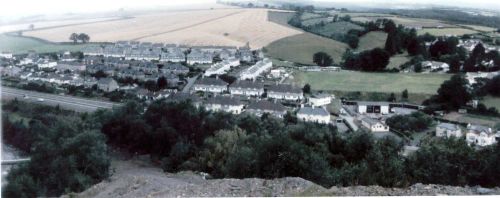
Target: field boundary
<point x="74" y="24"/>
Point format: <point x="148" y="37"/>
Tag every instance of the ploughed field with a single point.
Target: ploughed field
<point x="371" y="82"/>
<point x="229" y="27"/>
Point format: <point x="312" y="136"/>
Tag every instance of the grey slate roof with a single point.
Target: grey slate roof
<point x="448" y="126"/>
<point x="224" y="100"/>
<point x="266" y="105"/>
<point x="244" y="84"/>
<point x="313" y="111"/>
<point x="479" y="129"/>
<point x="211" y="81"/>
<point x="284" y="88"/>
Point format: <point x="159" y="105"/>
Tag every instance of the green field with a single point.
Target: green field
<point x="491" y="101"/>
<point x="337" y="28"/>
<point x="446" y="31"/>
<point x="301" y="48"/>
<point x="398" y="60"/>
<point x="19" y="45"/>
<point x="372" y="40"/>
<point x="481" y="28"/>
<point x="371" y="82"/>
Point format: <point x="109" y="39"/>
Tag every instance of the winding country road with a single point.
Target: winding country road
<point x="66" y="102"/>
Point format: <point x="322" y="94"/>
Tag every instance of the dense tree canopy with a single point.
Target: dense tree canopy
<point x="322" y="59"/>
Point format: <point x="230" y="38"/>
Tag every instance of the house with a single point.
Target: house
<point x="174" y="68"/>
<point x="107" y="84"/>
<point x="182" y="97"/>
<point x="146" y="67"/>
<point x="106" y="69"/>
<point x="260" y="107"/>
<point x="7" y="55"/>
<point x="66" y="56"/>
<point x="93" y="51"/>
<point x="254" y="71"/>
<point x="374" y="125"/>
<point x="173" y="55"/>
<point x="130" y="73"/>
<point x="312" y="114"/>
<point x="435" y="65"/>
<point x="284" y="92"/>
<point x="92" y="60"/>
<point x="13" y="71"/>
<point x="213" y="85"/>
<point x="221" y="67"/>
<point x="320" y="99"/>
<point x="472" y="76"/>
<point x="246" y="88"/>
<point x="71" y="66"/>
<point x="199" y="57"/>
<point x="245" y="53"/>
<point x="372" y="107"/>
<point x="480" y="135"/>
<point x="448" y="130"/>
<point x="45" y="63"/>
<point x="277" y="73"/>
<point x="224" y="103"/>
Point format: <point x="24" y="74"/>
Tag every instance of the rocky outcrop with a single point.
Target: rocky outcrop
<point x="136" y="179"/>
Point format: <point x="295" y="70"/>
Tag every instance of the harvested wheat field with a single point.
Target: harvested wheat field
<point x="232" y="27"/>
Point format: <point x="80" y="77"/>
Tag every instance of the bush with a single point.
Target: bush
<point x="415" y="122"/>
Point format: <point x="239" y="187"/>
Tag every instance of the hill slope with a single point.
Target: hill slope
<point x="136" y="179"/>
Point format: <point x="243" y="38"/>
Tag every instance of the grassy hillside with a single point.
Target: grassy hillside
<point x="18" y="45"/>
<point x="341" y="27"/>
<point x="300" y="48"/>
<point x="371" y="82"/>
<point x="398" y="60"/>
<point x="446" y="31"/>
<point x="491" y="101"/>
<point x="372" y="40"/>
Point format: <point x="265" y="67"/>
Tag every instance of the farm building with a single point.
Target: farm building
<point x="373" y="107"/>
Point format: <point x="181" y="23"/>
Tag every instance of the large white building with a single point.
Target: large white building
<point x="246" y="88"/>
<point x="373" y="107"/>
<point x="480" y="135"/>
<point x="312" y="114"/>
<point x="254" y="71"/>
<point x="374" y="125"/>
<point x="222" y="67"/>
<point x="448" y="130"/>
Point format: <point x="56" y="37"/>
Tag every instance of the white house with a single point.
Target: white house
<point x="107" y="84"/>
<point x="284" y="92"/>
<point x="320" y="99"/>
<point x="373" y="107"/>
<point x="480" y="135"/>
<point x="260" y="107"/>
<point x="224" y="103"/>
<point x="254" y="71"/>
<point x="246" y="88"/>
<point x="46" y="64"/>
<point x="448" y="130"/>
<point x="471" y="76"/>
<point x="434" y="65"/>
<point x="374" y="125"/>
<point x="312" y="114"/>
<point x="213" y="85"/>
<point x="199" y="57"/>
<point x="222" y="67"/>
<point x="7" y="55"/>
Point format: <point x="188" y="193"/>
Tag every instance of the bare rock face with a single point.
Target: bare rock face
<point x="138" y="179"/>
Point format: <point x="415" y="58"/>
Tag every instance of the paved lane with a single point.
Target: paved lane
<point x="66" y="102"/>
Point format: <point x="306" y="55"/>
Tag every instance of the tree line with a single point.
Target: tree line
<point x="75" y="37"/>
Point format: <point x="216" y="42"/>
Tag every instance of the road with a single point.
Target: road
<point x="65" y="102"/>
<point x="190" y="83"/>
